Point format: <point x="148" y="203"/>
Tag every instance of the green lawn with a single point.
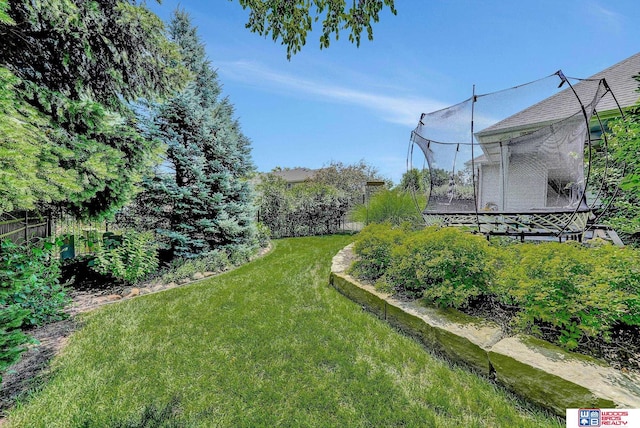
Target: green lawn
<point x="269" y="344"/>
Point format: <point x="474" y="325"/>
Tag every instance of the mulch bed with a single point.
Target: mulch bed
<point x="621" y="352"/>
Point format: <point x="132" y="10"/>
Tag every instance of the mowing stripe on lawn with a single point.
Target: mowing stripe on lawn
<point x="268" y="344"/>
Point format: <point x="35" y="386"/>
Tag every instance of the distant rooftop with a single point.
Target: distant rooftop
<point x="296" y="175"/>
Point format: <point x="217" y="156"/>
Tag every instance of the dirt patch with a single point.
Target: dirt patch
<point x="29" y="371"/>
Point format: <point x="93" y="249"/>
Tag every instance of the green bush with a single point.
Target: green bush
<point x="580" y="292"/>
<point x="12" y="339"/>
<point x="304" y="209"/>
<point x="263" y="234"/>
<point x="373" y="246"/>
<point x="213" y="261"/>
<point x="30" y="294"/>
<point x="32" y="273"/>
<point x="447" y="267"/>
<point x="132" y="259"/>
<point x="567" y="292"/>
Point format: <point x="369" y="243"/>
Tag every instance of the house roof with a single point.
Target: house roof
<point x="563" y="104"/>
<point x="296" y="175"/>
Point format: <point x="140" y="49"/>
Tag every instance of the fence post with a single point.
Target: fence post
<point x="26" y="227"/>
<point x="49" y="224"/>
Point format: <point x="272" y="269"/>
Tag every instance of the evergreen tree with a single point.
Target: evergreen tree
<point x="201" y="197"/>
<point x="68" y="69"/>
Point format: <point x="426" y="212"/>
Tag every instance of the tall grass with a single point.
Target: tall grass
<point x="391" y="206"/>
<point x="269" y="344"/>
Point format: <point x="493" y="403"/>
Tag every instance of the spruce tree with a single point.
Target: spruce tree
<point x="201" y="193"/>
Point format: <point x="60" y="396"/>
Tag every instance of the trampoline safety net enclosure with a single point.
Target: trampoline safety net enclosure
<point x="512" y="162"/>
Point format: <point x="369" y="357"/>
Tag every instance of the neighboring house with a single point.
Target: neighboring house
<point x="295" y="175"/>
<point x="291" y="176"/>
<point x="528" y="173"/>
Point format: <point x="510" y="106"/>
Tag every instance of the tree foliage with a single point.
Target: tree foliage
<point x="349" y="179"/>
<point x="200" y="196"/>
<point x="103" y="51"/>
<point x="30" y="165"/>
<point x="290" y="21"/>
<point x="68" y="69"/>
<point x="618" y="169"/>
<point x="4" y="15"/>
<point x="309" y="208"/>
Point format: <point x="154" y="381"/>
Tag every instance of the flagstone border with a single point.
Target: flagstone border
<point x="534" y="369"/>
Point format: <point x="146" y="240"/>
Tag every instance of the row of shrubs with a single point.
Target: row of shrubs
<point x="581" y="292"/>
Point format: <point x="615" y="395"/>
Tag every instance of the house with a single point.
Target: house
<point x="556" y="175"/>
<point x="291" y="176"/>
<point x="522" y="172"/>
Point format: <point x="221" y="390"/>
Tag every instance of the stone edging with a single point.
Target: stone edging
<point x="535" y="369"/>
<point x="88" y="301"/>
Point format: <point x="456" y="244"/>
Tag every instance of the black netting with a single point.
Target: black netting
<point x="519" y="150"/>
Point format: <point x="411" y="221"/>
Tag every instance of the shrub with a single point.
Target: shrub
<point x="30" y="295"/>
<point x="620" y="268"/>
<point x="263" y="234"/>
<point x="32" y="273"/>
<point x="12" y="339"/>
<point x="135" y="257"/>
<point x="305" y="209"/>
<point x="568" y="293"/>
<point x="373" y="246"/>
<point x="213" y="261"/>
<point x="447" y="266"/>
<point x="580" y="292"/>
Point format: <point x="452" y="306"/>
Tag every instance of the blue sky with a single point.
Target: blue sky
<point x="346" y="103"/>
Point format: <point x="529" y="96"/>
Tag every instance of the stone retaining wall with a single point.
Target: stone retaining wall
<point x="535" y="369"/>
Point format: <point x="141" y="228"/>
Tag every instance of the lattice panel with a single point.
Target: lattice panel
<point x="546" y="223"/>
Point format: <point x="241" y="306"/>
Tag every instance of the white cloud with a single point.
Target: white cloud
<point x="605" y="17"/>
<point x="395" y="109"/>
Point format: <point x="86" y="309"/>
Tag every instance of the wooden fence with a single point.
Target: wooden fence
<point x="23" y="226"/>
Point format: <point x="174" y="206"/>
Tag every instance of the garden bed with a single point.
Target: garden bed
<point x="537" y="370"/>
<point x="585" y="299"/>
<point x="621" y="352"/>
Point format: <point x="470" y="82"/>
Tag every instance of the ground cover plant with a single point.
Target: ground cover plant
<point x="129" y="257"/>
<point x="580" y="297"/>
<point x="267" y="344"/>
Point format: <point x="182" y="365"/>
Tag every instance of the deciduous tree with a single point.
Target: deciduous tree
<point x="290" y="21"/>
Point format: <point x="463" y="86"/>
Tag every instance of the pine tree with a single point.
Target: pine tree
<point x="201" y="193"/>
<point x="68" y="70"/>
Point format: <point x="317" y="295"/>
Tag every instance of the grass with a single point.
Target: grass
<point x="269" y="344"/>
